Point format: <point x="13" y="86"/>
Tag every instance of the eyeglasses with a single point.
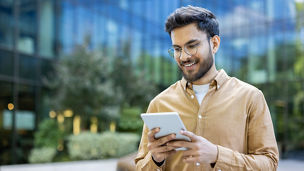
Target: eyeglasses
<point x="189" y="49"/>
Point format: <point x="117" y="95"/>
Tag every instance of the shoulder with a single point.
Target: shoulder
<point x="249" y="93"/>
<point x="243" y="87"/>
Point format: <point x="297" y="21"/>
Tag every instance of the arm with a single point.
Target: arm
<point x="262" y="148"/>
<point x="152" y="152"/>
<point x="262" y="152"/>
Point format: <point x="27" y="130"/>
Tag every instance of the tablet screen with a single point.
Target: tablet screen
<point x="168" y="122"/>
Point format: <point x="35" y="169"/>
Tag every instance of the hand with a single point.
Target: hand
<point x="158" y="148"/>
<point x="200" y="150"/>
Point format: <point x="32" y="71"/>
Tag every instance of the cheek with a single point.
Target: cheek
<point x="177" y="61"/>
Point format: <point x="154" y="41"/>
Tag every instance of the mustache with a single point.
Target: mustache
<point x="191" y="60"/>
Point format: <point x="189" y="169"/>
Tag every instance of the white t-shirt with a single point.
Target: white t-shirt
<point x="200" y="91"/>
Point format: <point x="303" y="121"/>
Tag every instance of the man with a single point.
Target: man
<point x="228" y="121"/>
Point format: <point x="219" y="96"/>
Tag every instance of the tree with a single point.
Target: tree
<point x="81" y="83"/>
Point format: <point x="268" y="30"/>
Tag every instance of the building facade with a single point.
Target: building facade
<point x="261" y="42"/>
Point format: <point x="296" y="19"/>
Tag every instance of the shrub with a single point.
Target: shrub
<point x="42" y="155"/>
<point x="130" y="120"/>
<point x="86" y="146"/>
<point x="118" y="144"/>
<point x="48" y="134"/>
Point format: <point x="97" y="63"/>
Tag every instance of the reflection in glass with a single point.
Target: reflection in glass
<point x="27" y="26"/>
<point x="28" y="66"/>
<point x="6" y="97"/>
<point x="7" y="23"/>
<point x="46" y="30"/>
<point x="6" y="63"/>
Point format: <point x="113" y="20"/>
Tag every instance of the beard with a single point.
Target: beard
<point x="204" y="67"/>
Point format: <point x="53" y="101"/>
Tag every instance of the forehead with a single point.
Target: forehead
<point x="181" y="35"/>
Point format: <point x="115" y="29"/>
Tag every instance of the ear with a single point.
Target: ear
<point x="215" y="41"/>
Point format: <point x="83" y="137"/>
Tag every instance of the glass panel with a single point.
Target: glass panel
<point x="46" y="68"/>
<point x="6" y="63"/>
<point x="47" y="28"/>
<point x="6" y="105"/>
<point x="25" y="121"/>
<point x="28" y="67"/>
<point x="27" y="26"/>
<point x="7" y="23"/>
<point x="25" y="115"/>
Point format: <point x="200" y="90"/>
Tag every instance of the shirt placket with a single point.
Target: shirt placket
<point x="201" y="119"/>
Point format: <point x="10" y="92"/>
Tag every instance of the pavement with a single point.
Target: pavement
<point x="110" y="165"/>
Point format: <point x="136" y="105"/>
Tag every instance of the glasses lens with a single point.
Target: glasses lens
<point x="191" y="50"/>
<point x="171" y="52"/>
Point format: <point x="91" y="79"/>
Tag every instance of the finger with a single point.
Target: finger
<point x="189" y="134"/>
<point x="189" y="153"/>
<point x="152" y="133"/>
<point x="163" y="149"/>
<point x="192" y="159"/>
<point x="178" y="144"/>
<point x="165" y="139"/>
<point x="169" y="153"/>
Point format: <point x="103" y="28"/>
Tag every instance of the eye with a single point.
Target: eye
<point x="192" y="46"/>
<point x="177" y="49"/>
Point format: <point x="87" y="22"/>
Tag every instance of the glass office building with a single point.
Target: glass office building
<point x="261" y="43"/>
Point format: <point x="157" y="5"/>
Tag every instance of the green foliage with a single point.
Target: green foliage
<point x="86" y="146"/>
<point x="82" y="83"/>
<point x="118" y="144"/>
<point x="48" y="134"/>
<point x="130" y="120"/>
<point x="42" y="155"/>
<point x="135" y="89"/>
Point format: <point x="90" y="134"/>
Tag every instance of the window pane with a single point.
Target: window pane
<point x="47" y="28"/>
<point x="7" y="23"/>
<point x="6" y="63"/>
<point x="25" y="115"/>
<point x="28" y="67"/>
<point x="27" y="26"/>
<point x="6" y="97"/>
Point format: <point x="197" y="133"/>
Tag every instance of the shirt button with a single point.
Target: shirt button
<point x="200" y="116"/>
<point x="192" y="96"/>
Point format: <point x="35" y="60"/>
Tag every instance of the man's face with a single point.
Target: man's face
<point x="194" y="66"/>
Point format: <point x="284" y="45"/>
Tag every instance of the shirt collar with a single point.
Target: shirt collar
<point x="218" y="81"/>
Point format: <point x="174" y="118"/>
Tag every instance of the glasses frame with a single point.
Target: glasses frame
<point x="171" y="51"/>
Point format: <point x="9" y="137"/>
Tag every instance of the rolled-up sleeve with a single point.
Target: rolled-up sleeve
<point x="143" y="159"/>
<point x="262" y="151"/>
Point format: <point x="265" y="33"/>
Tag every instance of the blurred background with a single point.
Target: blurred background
<point x="76" y="74"/>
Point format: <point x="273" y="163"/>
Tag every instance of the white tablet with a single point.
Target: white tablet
<point x="168" y="122"/>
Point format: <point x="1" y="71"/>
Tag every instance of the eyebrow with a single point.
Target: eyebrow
<point x="189" y="42"/>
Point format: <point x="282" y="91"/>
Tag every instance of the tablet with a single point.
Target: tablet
<point x="168" y="122"/>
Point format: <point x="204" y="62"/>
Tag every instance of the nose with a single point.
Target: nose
<point x="184" y="56"/>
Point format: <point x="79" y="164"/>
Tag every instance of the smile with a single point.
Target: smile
<point x="188" y="65"/>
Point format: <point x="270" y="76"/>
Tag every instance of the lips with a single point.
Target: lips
<point x="189" y="65"/>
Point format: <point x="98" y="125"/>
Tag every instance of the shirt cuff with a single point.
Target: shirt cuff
<point x="159" y="164"/>
<point x="149" y="164"/>
<point x="225" y="158"/>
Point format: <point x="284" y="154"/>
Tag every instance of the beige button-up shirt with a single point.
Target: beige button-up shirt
<point x="233" y="115"/>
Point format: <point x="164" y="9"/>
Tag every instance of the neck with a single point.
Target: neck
<point x="208" y="77"/>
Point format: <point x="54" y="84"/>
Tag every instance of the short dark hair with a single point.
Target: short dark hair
<point x="205" y="19"/>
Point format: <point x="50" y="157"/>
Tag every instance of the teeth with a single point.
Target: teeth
<point x="187" y="65"/>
